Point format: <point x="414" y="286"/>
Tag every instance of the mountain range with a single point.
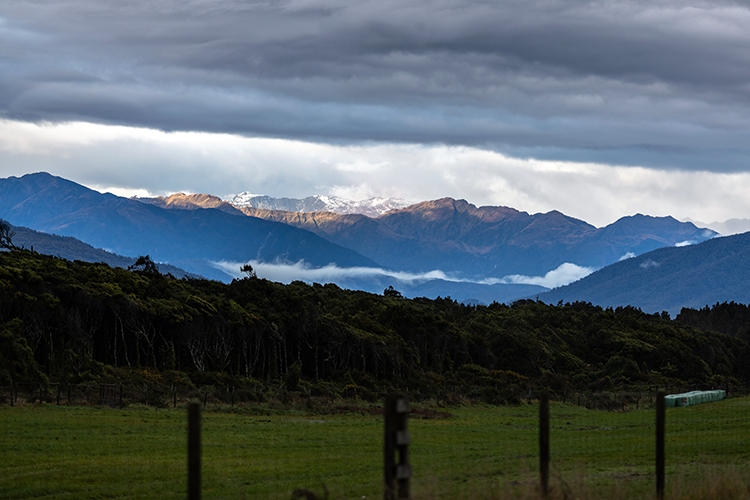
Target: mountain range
<point x="443" y="247"/>
<point x="459" y="238"/>
<point x="191" y="239"/>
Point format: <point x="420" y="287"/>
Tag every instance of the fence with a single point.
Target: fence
<point x="123" y="393"/>
<point x="397" y="467"/>
<point x="397" y="471"/>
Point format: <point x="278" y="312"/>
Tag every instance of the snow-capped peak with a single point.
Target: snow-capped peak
<point x="242" y="199"/>
<point x="372" y="207"/>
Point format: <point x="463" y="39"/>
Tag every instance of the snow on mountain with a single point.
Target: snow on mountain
<point x="374" y="207"/>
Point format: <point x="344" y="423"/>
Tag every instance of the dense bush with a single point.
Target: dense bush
<point x="68" y="320"/>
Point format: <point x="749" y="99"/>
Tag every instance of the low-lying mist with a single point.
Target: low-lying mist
<point x="288" y="272"/>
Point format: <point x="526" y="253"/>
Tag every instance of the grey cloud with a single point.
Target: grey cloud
<point x="651" y="83"/>
<point x="129" y="159"/>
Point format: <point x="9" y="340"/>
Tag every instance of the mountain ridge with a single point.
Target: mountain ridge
<point x="454" y="235"/>
<point x="190" y="202"/>
<point x="669" y="279"/>
<point x="69" y="248"/>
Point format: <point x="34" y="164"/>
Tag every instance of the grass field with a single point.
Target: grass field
<point x="478" y="452"/>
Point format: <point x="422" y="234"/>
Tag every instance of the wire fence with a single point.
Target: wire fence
<point x="620" y="440"/>
<point x="124" y="393"/>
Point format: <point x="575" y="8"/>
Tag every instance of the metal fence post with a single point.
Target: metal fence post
<point x="194" y="450"/>
<point x="660" y="420"/>
<point x="397" y="439"/>
<point x="544" y="443"/>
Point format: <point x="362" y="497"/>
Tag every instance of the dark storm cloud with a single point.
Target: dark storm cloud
<point x="650" y="83"/>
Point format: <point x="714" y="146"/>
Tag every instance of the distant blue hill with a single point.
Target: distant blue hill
<point x="67" y="247"/>
<point x="669" y="279"/>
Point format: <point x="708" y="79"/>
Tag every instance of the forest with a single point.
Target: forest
<point x="78" y="322"/>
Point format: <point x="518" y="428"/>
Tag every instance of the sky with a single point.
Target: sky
<point x="597" y="109"/>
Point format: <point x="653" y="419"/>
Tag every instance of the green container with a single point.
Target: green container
<point x="693" y="398"/>
<point x="670" y="400"/>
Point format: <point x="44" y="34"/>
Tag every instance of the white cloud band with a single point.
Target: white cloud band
<point x="286" y="273"/>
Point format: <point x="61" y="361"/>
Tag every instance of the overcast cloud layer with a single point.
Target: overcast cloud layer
<point x="655" y="84"/>
<point x="128" y="161"/>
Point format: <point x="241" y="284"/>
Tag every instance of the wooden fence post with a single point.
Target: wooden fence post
<point x="397" y="438"/>
<point x="174" y="396"/>
<point x="660" y="459"/>
<point x="205" y="399"/>
<point x="389" y="449"/>
<point x="11" y="393"/>
<point x="544" y="443"/>
<point x="194" y="450"/>
<point x="59" y="388"/>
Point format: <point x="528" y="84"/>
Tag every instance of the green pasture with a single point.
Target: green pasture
<point x="478" y="452"/>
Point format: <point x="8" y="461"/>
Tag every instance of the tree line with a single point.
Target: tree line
<point x="67" y="320"/>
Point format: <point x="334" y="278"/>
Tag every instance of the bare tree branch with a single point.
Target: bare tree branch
<point x="6" y="236"/>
